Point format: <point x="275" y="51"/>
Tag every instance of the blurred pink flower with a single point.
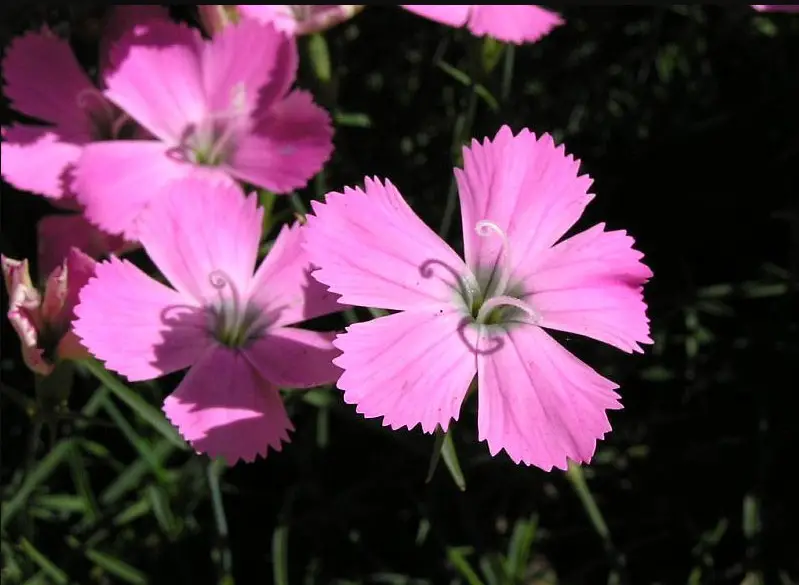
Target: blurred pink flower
<point x="227" y="322"/>
<point x="301" y="19"/>
<point x="776" y="7"/>
<point x="221" y="110"/>
<point x="44" y="323"/>
<point x="485" y="316"/>
<point x="45" y="81"/>
<point x="512" y="23"/>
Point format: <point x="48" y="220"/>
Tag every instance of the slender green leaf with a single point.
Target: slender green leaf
<point x="116" y="567"/>
<point x="37" y="475"/>
<point x="150" y="414"/>
<point x="457" y="556"/>
<point x="46" y="565"/>
<point x="280" y="561"/>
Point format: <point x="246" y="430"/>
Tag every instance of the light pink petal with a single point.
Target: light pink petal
<point x="121" y="19"/>
<point x="270" y="66"/>
<point x="539" y="402"/>
<point x="288" y="145"/>
<point x="411" y="367"/>
<point x="225" y="409"/>
<point x="200" y="235"/>
<point x="158" y="80"/>
<point x="57" y="234"/>
<point x="527" y="187"/>
<point x="512" y="23"/>
<point x="44" y="80"/>
<point x="294" y="358"/>
<point x="590" y="284"/>
<point x="453" y="14"/>
<point x="39" y="159"/>
<point x="281" y="16"/>
<point x="283" y="285"/>
<point x="376" y="252"/>
<point x="139" y="327"/>
<point x="116" y="180"/>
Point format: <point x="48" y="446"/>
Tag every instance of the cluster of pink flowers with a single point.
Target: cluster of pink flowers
<point x="163" y="151"/>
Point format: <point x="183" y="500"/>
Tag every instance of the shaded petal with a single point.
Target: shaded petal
<point x="512" y="23"/>
<point x="300" y="19"/>
<point x="539" y="402"/>
<point x="225" y="409"/>
<point x="270" y="65"/>
<point x="376" y="252"/>
<point x="590" y="284"/>
<point x="116" y="180"/>
<point x="295" y="358"/>
<point x="57" y="234"/>
<point x="453" y="14"/>
<point x="195" y="228"/>
<point x="139" y="327"/>
<point x="158" y="80"/>
<point x="411" y="367"/>
<point x="288" y="145"/>
<point x="121" y="20"/>
<point x="283" y="286"/>
<point x="527" y="186"/>
<point x="24" y="313"/>
<point x="44" y="80"/>
<point x="39" y="159"/>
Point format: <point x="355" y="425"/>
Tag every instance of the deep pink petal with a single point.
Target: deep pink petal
<point x="139" y="327"/>
<point x="121" y="19"/>
<point x="39" y="159"/>
<point x="453" y="14"/>
<point x="158" y="79"/>
<point x="288" y="145"/>
<point x="116" y="180"/>
<point x="201" y="234"/>
<point x="376" y="252"/>
<point x="44" y="80"/>
<point x="411" y="367"/>
<point x="590" y="284"/>
<point x="283" y="285"/>
<point x="539" y="402"/>
<point x="57" y="234"/>
<point x="270" y="66"/>
<point x="527" y="187"/>
<point x="225" y="409"/>
<point x="294" y="358"/>
<point x="512" y="23"/>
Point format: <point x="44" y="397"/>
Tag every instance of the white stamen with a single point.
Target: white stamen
<point x="499" y="301"/>
<point x="220" y="280"/>
<point x="486" y="228"/>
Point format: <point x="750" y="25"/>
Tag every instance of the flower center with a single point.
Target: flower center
<point x="107" y="121"/>
<point x="234" y="322"/>
<point x="212" y="141"/>
<point x="495" y="300"/>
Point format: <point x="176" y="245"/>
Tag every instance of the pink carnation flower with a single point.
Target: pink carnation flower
<point x="45" y="81"/>
<point x="44" y="323"/>
<point x="220" y="110"/>
<point x="227" y="322"/>
<point x="512" y="23"/>
<point x="485" y="316"/>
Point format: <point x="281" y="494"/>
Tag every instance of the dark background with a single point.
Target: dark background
<point x="687" y="119"/>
